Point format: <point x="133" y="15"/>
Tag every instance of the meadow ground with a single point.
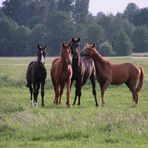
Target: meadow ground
<point x="118" y="124"/>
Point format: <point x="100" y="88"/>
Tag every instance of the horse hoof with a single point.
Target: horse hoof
<point x="103" y="105"/>
<point x="31" y="103"/>
<point x="97" y="105"/>
<point x="68" y="106"/>
<point x="35" y="104"/>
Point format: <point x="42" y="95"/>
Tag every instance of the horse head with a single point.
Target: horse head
<point x="75" y="47"/>
<point x="66" y="53"/>
<point x="88" y="50"/>
<point x="41" y="53"/>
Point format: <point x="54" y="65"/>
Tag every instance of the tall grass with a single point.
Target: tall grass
<point x="116" y="125"/>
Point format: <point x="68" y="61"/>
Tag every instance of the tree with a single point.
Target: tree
<point x="80" y="11"/>
<point x="140" y="39"/>
<point x="65" y="5"/>
<point x="60" y="29"/>
<point x="105" y="49"/>
<point x="38" y="36"/>
<point x="7" y="31"/>
<point x="122" y="44"/>
<point x="94" y="34"/>
<point x="21" y="41"/>
<point x="131" y="11"/>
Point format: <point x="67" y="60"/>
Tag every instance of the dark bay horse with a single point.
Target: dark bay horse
<point x="61" y="73"/>
<point x="83" y="69"/>
<point x="36" y="75"/>
<point x="108" y="73"/>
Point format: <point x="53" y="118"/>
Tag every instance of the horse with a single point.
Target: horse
<point x="61" y="73"/>
<point x="36" y="75"/>
<point x="83" y="69"/>
<point x="108" y="73"/>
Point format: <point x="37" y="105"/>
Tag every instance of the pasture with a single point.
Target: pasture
<point x="118" y="124"/>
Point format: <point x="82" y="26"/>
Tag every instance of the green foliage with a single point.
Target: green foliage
<point x="95" y="34"/>
<point x="122" y="44"/>
<point x="106" y="49"/>
<point x="140" y="39"/>
<point x="80" y="11"/>
<point x="24" y="24"/>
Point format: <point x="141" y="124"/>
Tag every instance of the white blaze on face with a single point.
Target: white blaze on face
<point x="42" y="58"/>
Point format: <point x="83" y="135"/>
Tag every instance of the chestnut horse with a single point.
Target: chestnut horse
<point x="109" y="73"/>
<point x="83" y="69"/>
<point x="36" y="75"/>
<point x="61" y="73"/>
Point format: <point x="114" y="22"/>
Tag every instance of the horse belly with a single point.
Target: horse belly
<point x="119" y="79"/>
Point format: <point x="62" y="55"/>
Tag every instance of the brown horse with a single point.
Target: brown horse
<point x="61" y="73"/>
<point x="109" y="73"/>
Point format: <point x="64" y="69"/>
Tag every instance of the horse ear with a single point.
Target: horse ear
<point x="45" y="47"/>
<point x="63" y="44"/>
<point x="73" y="39"/>
<point x="93" y="45"/>
<point x="39" y="47"/>
<point x="78" y="40"/>
<point x="69" y="44"/>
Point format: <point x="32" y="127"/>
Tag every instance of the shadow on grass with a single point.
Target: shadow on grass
<point x="63" y="136"/>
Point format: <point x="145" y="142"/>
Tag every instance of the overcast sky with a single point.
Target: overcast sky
<point x="112" y="6"/>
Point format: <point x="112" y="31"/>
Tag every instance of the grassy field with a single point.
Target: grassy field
<point x="118" y="124"/>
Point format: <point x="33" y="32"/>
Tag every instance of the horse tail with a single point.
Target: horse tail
<point x="140" y="84"/>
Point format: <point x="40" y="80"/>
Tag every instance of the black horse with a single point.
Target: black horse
<point x="36" y="75"/>
<point x="83" y="69"/>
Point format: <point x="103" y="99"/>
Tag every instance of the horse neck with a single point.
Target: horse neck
<point x="40" y="64"/>
<point x="76" y="62"/>
<point x="64" y="65"/>
<point x="97" y="57"/>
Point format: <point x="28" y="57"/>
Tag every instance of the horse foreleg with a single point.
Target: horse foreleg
<point x="68" y="92"/>
<point x="103" y="88"/>
<point x="61" y="91"/>
<point x="93" y="82"/>
<point x="36" y="91"/>
<point x="42" y="92"/>
<point x="57" y="94"/>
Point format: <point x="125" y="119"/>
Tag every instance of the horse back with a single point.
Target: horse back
<point x="88" y="68"/>
<point x="123" y="72"/>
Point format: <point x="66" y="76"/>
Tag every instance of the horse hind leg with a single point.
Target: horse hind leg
<point x="57" y="94"/>
<point x="36" y="92"/>
<point x="76" y="93"/>
<point x="93" y="82"/>
<point x="132" y="85"/>
<point x="61" y="92"/>
<point x="68" y="93"/>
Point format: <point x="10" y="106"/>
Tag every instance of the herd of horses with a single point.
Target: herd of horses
<point x="73" y="65"/>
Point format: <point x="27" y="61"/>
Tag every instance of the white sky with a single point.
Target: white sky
<point x="112" y="6"/>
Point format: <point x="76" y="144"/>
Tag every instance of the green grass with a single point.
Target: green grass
<point x="118" y="124"/>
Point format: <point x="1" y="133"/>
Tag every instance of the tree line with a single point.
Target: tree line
<point x="25" y="24"/>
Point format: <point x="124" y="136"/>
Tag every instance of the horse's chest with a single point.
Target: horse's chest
<point x="40" y="74"/>
<point x="76" y="74"/>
